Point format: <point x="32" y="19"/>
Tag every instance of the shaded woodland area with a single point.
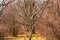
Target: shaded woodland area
<point x="30" y="16"/>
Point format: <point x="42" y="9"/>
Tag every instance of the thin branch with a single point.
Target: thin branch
<point x="43" y="9"/>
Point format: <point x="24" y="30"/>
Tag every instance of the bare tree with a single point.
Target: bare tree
<point x="55" y="9"/>
<point x="29" y="17"/>
<point x="5" y="18"/>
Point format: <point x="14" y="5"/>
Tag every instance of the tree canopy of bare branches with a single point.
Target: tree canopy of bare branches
<point x="31" y="15"/>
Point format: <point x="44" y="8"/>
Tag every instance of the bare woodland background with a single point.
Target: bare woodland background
<point x="30" y="16"/>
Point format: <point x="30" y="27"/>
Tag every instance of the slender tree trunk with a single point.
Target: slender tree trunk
<point x="30" y="38"/>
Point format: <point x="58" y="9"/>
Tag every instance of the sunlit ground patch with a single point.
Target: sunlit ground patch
<point x="24" y="37"/>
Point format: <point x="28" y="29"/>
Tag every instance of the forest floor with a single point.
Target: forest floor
<point x="34" y="37"/>
<point x="23" y="37"/>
